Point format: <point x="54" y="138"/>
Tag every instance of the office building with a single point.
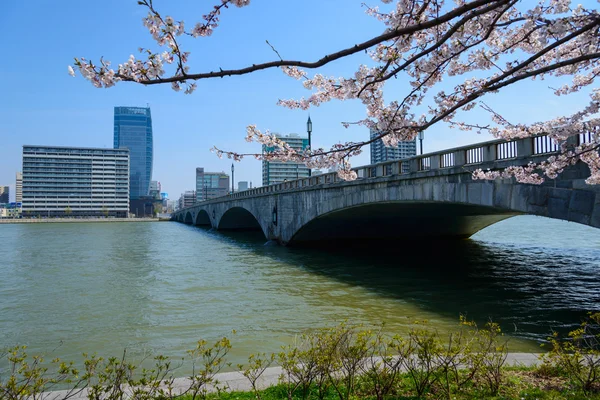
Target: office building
<point x="19" y="188"/>
<point x="274" y="172"/>
<point x="242" y="185"/>
<point x="75" y="182"/>
<point x="4" y="194"/>
<point x="171" y="206"/>
<point x="154" y="190"/>
<point x="133" y="131"/>
<point x="187" y="199"/>
<point x="211" y="184"/>
<point x="150" y="205"/>
<point x="381" y="153"/>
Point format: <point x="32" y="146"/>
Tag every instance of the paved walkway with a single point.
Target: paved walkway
<point x="235" y="381"/>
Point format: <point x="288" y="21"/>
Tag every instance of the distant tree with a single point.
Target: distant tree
<point x="68" y="211"/>
<point x="488" y="44"/>
<point x="105" y="211"/>
<point x="157" y="209"/>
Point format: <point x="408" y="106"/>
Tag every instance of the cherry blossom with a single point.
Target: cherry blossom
<point x="487" y="45"/>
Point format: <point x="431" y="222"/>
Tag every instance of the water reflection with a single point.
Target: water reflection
<point x="530" y="290"/>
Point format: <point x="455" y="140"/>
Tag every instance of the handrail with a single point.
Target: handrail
<point x="469" y="155"/>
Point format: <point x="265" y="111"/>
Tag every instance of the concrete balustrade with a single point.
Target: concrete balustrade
<point x="479" y="153"/>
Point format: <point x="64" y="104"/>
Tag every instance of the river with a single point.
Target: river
<point x="156" y="287"/>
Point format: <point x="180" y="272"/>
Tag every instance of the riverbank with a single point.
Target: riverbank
<point x="74" y="220"/>
<point x="237" y="382"/>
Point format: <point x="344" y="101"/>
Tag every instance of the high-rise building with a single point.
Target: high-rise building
<point x="277" y="171"/>
<point x="211" y="184"/>
<point x="19" y="188"/>
<point x="381" y="153"/>
<point x="133" y="131"/>
<point x="242" y="185"/>
<point x="154" y="190"/>
<point x="69" y="181"/>
<point x="171" y="205"/>
<point x="4" y="191"/>
<point x="187" y="199"/>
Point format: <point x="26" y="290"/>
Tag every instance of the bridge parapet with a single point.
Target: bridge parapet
<point x="492" y="154"/>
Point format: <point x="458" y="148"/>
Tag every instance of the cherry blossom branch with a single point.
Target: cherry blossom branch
<point x="311" y="65"/>
<point x="426" y="41"/>
<point x="444" y="38"/>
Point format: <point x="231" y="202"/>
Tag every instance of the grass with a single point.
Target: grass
<point x="520" y="383"/>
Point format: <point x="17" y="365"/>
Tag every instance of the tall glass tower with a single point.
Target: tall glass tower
<point x="133" y="130"/>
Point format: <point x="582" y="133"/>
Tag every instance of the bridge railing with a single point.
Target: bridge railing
<point x="470" y="155"/>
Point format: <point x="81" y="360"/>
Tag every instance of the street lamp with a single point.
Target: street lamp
<point x="309" y="130"/>
<point x="421" y="134"/>
<point x="232" y="180"/>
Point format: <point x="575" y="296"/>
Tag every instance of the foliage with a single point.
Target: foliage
<point x="578" y="356"/>
<point x="341" y="362"/>
<point x="485" y="45"/>
<point x="115" y="378"/>
<point x="257" y="364"/>
<point x="207" y="362"/>
<point x="28" y="378"/>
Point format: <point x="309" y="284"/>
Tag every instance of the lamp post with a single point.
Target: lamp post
<point x="421" y="134"/>
<point x="232" y="180"/>
<point x="309" y="130"/>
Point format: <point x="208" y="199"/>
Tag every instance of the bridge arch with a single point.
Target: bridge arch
<point x="239" y="219"/>
<point x="436" y="199"/>
<point x="202" y="218"/>
<point x="189" y="220"/>
<point x="398" y="220"/>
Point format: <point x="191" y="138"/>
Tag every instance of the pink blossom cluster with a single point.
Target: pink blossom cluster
<point x="165" y="32"/>
<point x="525" y="174"/>
<point x="484" y="45"/>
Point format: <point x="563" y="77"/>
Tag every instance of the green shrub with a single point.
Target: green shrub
<point x="578" y="355"/>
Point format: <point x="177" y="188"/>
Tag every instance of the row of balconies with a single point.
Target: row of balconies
<point x="63" y="188"/>
<point x="29" y="151"/>
<point x="74" y="204"/>
<point x="75" y="194"/>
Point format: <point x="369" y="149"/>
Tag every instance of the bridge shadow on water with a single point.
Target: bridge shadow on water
<point x="529" y="290"/>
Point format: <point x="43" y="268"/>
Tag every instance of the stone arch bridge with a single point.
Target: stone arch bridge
<point x="430" y="195"/>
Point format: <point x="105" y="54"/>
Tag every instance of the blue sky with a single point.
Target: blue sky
<point x="41" y="104"/>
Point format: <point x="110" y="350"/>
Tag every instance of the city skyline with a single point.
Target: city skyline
<point x="52" y="109"/>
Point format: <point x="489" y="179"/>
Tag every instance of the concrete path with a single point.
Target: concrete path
<point x="235" y="381"/>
